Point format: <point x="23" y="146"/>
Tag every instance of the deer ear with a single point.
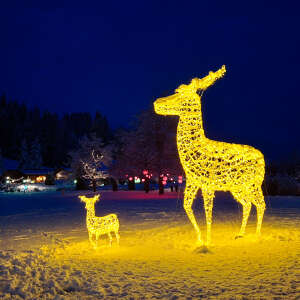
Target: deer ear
<point x="97" y="198"/>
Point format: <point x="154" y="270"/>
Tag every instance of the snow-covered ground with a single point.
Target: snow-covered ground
<point x="45" y="253"/>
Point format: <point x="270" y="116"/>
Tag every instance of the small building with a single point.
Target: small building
<point x="63" y="174"/>
<point x="9" y="169"/>
<point x="37" y="175"/>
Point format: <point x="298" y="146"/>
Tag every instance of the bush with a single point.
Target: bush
<point x="281" y="185"/>
<point x="50" y="180"/>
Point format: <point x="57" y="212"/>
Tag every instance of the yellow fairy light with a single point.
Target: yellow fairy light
<point x="212" y="165"/>
<point x="97" y="226"/>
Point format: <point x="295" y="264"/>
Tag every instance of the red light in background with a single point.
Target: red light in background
<point x="179" y="179"/>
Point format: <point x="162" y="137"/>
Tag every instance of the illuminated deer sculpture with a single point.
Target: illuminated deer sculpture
<point x="211" y="165"/>
<point x="97" y="226"/>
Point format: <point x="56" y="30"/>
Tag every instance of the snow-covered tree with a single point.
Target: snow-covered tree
<point x="30" y="155"/>
<point x="35" y="155"/>
<point x="150" y="146"/>
<point x="1" y="163"/>
<point x="24" y="160"/>
<point x="89" y="159"/>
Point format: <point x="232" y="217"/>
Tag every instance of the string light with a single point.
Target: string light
<point x="212" y="165"/>
<point x="97" y="226"/>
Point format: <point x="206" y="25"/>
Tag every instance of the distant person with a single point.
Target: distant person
<point x="172" y="186"/>
<point x="146" y="185"/>
<point x="176" y="186"/>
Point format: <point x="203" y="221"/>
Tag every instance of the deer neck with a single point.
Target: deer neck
<point x="190" y="129"/>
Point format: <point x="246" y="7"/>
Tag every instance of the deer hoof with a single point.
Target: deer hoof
<point x="238" y="237"/>
<point x="202" y="250"/>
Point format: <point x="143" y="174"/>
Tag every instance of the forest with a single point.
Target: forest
<point x="38" y="139"/>
<point x="47" y="136"/>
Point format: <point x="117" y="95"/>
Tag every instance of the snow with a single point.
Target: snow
<point x="45" y="253"/>
<point x="34" y="187"/>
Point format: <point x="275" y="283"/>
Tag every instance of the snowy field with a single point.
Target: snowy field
<point x="45" y="253"/>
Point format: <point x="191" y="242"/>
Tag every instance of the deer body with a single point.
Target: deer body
<point x="216" y="162"/>
<point x="99" y="225"/>
<point x="212" y="165"/>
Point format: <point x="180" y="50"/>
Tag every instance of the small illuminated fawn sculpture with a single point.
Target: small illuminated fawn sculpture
<point x="212" y="165"/>
<point x="97" y="226"/>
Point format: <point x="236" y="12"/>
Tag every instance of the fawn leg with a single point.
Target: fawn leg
<point x="189" y="195"/>
<point x="208" y="197"/>
<point x="90" y="237"/>
<point x="92" y="241"/>
<point x="97" y="238"/>
<point x="117" y="237"/>
<point x="110" y="239"/>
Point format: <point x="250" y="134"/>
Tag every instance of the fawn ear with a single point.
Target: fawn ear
<point x="82" y="198"/>
<point x="97" y="198"/>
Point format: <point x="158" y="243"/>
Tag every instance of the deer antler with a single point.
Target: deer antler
<point x="208" y="80"/>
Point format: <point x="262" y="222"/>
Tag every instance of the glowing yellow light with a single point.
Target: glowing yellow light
<point x="97" y="226"/>
<point x="212" y="165"/>
<point x="40" y="179"/>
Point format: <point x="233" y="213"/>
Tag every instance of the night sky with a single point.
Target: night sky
<point x="118" y="56"/>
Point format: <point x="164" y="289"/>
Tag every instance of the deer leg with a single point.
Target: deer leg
<point x="246" y="211"/>
<point x="260" y="204"/>
<point x="189" y="196"/>
<point x="208" y="197"/>
<point x="110" y="239"/>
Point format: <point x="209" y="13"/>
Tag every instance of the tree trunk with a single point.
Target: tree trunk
<point x="94" y="185"/>
<point x="114" y="184"/>
<point x="146" y="185"/>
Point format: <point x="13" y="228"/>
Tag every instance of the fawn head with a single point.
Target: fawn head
<point x="186" y="100"/>
<point x="89" y="202"/>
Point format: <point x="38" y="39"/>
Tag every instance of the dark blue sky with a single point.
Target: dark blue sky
<point x="118" y="56"/>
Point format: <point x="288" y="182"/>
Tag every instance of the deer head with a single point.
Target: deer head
<point x="186" y="100"/>
<point x="89" y="202"/>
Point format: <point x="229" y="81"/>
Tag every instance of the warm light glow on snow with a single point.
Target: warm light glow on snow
<point x="211" y="165"/>
<point x="97" y="226"/>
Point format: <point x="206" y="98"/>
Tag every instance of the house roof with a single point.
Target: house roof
<point x="43" y="171"/>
